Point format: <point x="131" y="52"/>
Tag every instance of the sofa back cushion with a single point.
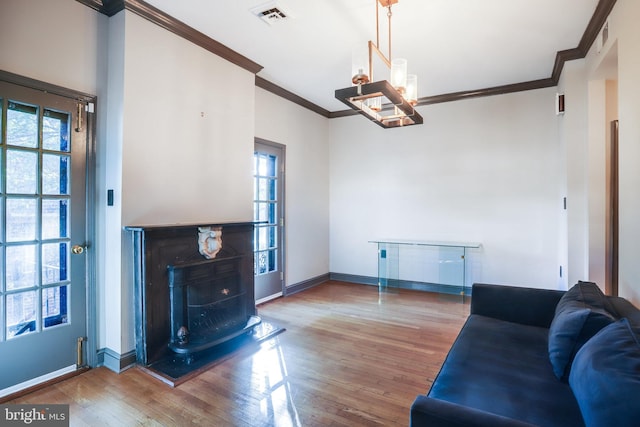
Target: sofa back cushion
<point x="605" y="377"/>
<point x="623" y="308"/>
<point x="581" y="313"/>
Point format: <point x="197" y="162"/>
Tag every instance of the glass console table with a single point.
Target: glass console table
<point x="423" y="265"/>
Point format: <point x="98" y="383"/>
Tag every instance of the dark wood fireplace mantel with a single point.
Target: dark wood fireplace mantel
<point x="159" y="253"/>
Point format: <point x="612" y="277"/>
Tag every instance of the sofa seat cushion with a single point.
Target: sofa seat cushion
<point x="503" y="368"/>
<point x="606" y="377"/>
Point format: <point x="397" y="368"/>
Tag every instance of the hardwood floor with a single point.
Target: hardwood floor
<point x="349" y="357"/>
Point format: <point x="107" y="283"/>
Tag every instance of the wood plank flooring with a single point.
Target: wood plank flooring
<point x="349" y="357"/>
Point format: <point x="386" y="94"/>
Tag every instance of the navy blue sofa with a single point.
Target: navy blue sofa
<point x="534" y="357"/>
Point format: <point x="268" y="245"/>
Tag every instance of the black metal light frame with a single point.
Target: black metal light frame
<point x="402" y="113"/>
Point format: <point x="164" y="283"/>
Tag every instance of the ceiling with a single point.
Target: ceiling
<point x="452" y="45"/>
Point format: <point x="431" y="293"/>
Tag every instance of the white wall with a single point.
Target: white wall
<point x="188" y="131"/>
<point x="305" y="136"/>
<point x="55" y="41"/>
<point x="624" y="29"/>
<point x="111" y="305"/>
<point x="602" y="106"/>
<point x="573" y="126"/>
<point x="485" y="170"/>
<point x="585" y="128"/>
<point x="597" y="181"/>
<point x="591" y="105"/>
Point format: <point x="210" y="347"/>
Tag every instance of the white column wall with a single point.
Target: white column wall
<point x="574" y="124"/>
<point x="597" y="180"/>
<point x="111" y="305"/>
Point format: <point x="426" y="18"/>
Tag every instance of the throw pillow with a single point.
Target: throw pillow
<point x="581" y="312"/>
<point x="605" y="377"/>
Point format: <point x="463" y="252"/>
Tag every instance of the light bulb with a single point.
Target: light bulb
<point x="412" y="89"/>
<point x="359" y="67"/>
<point x="399" y="74"/>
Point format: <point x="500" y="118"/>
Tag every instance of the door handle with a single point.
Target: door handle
<point x="77" y="249"/>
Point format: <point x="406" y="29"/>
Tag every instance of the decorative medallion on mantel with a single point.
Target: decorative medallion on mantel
<point x="209" y="241"/>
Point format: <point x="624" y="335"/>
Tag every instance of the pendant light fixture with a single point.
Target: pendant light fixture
<point x="388" y="103"/>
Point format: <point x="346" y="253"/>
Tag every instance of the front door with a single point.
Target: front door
<point x="42" y="235"/>
<point x="268" y="211"/>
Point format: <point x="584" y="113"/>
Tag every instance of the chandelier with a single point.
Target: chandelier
<point x="400" y="93"/>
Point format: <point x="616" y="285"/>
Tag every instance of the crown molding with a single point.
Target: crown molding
<point x="179" y="28"/>
<point x="290" y="96"/>
<point x="597" y="21"/>
<point x="603" y="9"/>
<point x="106" y="7"/>
<point x="562" y="57"/>
<point x="145" y="10"/>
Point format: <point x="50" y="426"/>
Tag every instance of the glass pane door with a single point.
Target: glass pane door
<point x="265" y="211"/>
<point x="268" y="215"/>
<point x="42" y="205"/>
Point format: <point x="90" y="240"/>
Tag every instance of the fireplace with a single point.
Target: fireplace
<point x="193" y="287"/>
<point x="207" y="304"/>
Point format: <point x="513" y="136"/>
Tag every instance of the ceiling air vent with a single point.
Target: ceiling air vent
<point x="271" y="12"/>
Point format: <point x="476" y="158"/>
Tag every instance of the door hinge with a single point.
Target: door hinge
<point x="281" y="275"/>
<point x="90" y="107"/>
<point x="281" y="222"/>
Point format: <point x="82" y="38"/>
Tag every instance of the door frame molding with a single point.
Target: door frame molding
<point x="46" y="87"/>
<point x="91" y="345"/>
<point x="613" y="228"/>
